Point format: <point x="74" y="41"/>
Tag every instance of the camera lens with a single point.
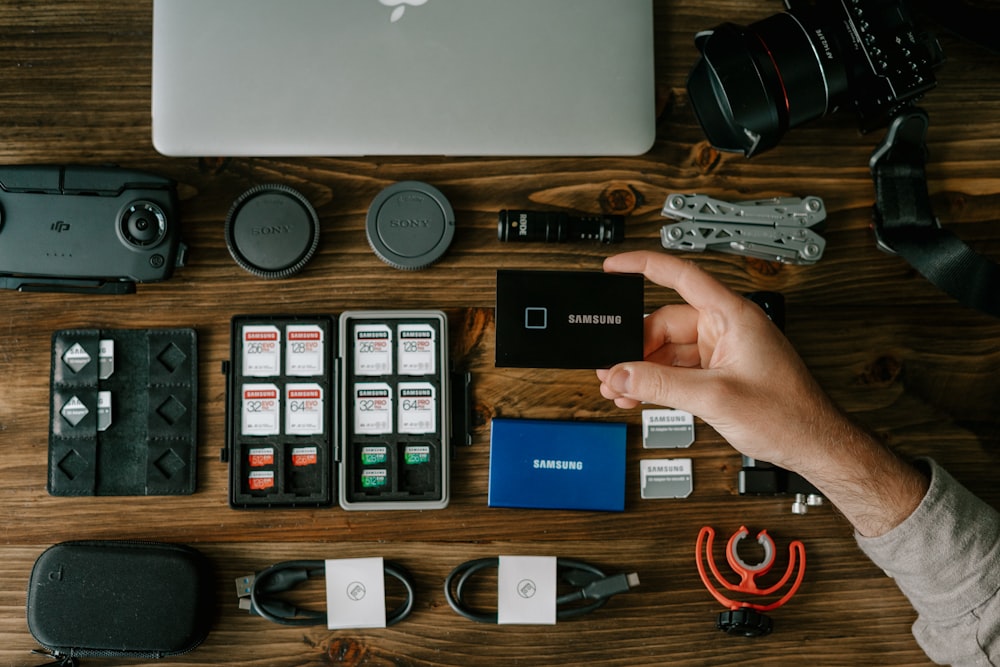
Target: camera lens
<point x="143" y="224"/>
<point x="754" y="83"/>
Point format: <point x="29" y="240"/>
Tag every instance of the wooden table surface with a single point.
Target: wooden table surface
<point x="901" y="357"/>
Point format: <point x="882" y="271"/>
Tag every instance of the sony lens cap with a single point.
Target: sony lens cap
<point x="272" y="231"/>
<point x="410" y="225"/>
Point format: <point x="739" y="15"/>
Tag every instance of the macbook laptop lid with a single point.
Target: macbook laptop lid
<point x="402" y="77"/>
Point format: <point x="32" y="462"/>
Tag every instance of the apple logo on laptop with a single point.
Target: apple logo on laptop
<point x="399" y="6"/>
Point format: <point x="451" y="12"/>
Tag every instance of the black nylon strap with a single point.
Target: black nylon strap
<point x="905" y="223"/>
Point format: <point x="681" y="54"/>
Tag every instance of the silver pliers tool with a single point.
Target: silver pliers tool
<point x="776" y="230"/>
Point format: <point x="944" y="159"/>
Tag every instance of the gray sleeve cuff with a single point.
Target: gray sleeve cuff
<point x="945" y="557"/>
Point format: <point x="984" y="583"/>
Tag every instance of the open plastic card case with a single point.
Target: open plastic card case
<point x="354" y="408"/>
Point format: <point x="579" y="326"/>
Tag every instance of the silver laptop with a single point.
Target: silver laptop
<point x="402" y="77"/>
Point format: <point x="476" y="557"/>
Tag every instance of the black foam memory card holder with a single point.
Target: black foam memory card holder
<point x="120" y="599"/>
<point x="351" y="408"/>
<point x="123" y="412"/>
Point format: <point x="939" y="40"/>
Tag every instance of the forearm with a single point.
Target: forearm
<point x="872" y="487"/>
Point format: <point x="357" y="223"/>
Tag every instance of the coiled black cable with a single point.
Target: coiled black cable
<point x="588" y="583"/>
<point x="257" y="592"/>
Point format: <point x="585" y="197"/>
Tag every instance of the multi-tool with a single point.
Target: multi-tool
<point x="777" y="230"/>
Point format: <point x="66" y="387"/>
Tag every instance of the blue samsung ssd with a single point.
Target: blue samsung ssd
<point x="549" y="464"/>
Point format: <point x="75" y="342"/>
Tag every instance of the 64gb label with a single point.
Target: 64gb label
<point x="303" y="409"/>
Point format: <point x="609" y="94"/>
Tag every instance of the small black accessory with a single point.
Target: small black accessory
<point x="256" y="592"/>
<point x="558" y="227"/>
<point x="744" y="622"/>
<point x="86" y="229"/>
<point x="905" y="224"/>
<point x="272" y="231"/>
<point x="410" y="225"/>
<point x="590" y="586"/>
<point x="120" y="599"/>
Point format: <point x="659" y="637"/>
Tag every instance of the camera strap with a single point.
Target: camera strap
<point x="905" y="224"/>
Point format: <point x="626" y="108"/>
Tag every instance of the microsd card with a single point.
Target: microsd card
<point x="260" y="480"/>
<point x="305" y="456"/>
<point x="260" y="457"/>
<point x="105" y="359"/>
<point x="103" y="410"/>
<point x="374" y="455"/>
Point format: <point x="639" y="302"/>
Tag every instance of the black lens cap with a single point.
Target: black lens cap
<point x="272" y="231"/>
<point x="410" y="225"/>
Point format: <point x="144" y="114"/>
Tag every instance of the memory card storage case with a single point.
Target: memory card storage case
<point x="123" y="412"/>
<point x="355" y="408"/>
<point x="120" y="599"/>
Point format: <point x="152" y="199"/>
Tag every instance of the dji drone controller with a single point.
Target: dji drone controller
<point x="86" y="229"/>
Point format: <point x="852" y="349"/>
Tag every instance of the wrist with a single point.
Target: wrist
<point x="872" y="487"/>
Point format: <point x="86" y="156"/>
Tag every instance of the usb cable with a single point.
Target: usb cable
<point x="257" y="592"/>
<point x="588" y="583"/>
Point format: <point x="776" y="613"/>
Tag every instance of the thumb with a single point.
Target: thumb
<point x="667" y="386"/>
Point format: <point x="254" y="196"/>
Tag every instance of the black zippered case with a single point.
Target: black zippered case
<point x="120" y="599"/>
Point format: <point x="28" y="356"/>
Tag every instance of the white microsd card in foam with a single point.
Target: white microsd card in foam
<point x="372" y="408"/>
<point x="261" y="409"/>
<point x="526" y="590"/>
<point x="261" y="350"/>
<point x="417" y="408"/>
<point x="372" y="349"/>
<point x="105" y="359"/>
<point x="303" y="409"/>
<point x="304" y="350"/>
<point x="667" y="428"/>
<point x="666" y="478"/>
<point x="103" y="410"/>
<point x="416" y="349"/>
<point x="355" y="593"/>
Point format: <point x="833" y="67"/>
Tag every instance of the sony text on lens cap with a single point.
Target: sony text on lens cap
<point x="272" y="231"/>
<point x="410" y="225"/>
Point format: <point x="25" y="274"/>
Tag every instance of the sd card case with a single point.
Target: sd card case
<point x="111" y="598"/>
<point x="352" y="408"/>
<point x="123" y="412"/>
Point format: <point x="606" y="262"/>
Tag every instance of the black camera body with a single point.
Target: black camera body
<point x="753" y="83"/>
<point x="86" y="229"/>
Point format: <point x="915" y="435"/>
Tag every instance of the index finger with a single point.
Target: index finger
<point x="695" y="286"/>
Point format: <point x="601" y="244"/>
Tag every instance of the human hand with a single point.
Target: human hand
<point x="719" y="357"/>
